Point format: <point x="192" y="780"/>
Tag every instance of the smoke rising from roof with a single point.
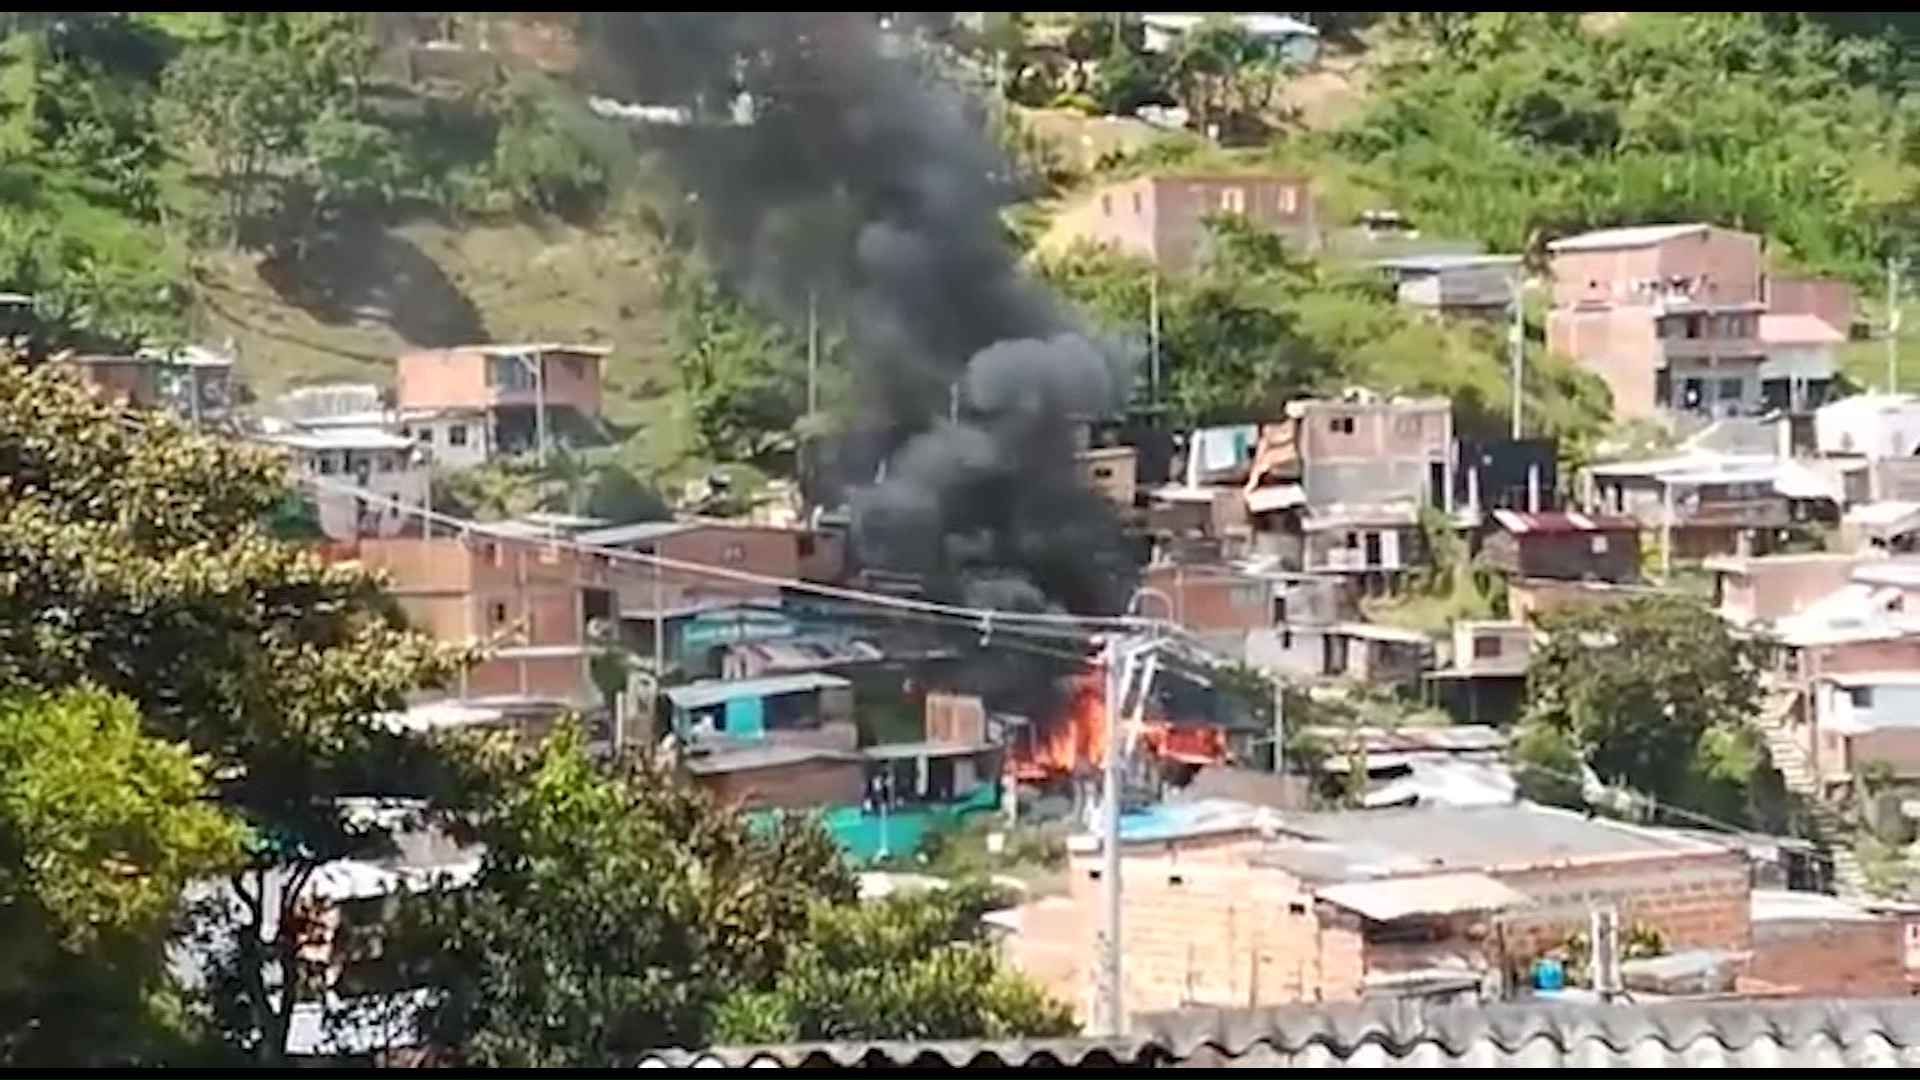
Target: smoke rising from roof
<point x="851" y="181"/>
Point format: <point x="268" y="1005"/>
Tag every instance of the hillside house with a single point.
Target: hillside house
<point x="1761" y="588"/>
<point x="1569" y="546"/>
<point x="1870" y="425"/>
<point x="1667" y="315"/>
<point x="533" y="601"/>
<point x="348" y="461"/>
<point x="1163" y="218"/>
<point x="1862" y="721"/>
<point x="523" y="390"/>
<point x="1479" y="287"/>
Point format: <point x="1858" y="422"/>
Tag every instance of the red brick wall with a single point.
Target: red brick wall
<point x="1695" y="900"/>
<point x="1839" y="959"/>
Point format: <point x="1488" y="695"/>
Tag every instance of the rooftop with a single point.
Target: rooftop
<point x="341" y="438"/>
<point x="1530" y="1035"/>
<point x="1436" y="838"/>
<point x="1551" y="523"/>
<point x="1440" y="263"/>
<point x="735" y="757"/>
<point x="701" y="695"/>
<point x="1631" y="236"/>
<point x="1798" y="330"/>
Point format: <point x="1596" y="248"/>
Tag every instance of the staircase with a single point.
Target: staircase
<point x="1797" y="771"/>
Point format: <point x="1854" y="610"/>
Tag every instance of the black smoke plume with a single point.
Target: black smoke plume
<point x="822" y="166"/>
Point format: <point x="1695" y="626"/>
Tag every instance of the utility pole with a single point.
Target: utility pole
<point x="1666" y="531"/>
<point x="1517" y="346"/>
<point x="813" y="397"/>
<point x="1153" y="336"/>
<point x="1279" y="726"/>
<point x="1122" y="656"/>
<point x="1896" y="271"/>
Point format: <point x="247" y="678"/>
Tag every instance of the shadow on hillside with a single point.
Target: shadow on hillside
<point x="370" y="275"/>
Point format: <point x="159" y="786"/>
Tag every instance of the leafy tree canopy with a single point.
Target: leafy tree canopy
<point x="619" y="913"/>
<point x="1656" y="695"/>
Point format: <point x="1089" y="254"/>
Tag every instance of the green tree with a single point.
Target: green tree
<point x="140" y="557"/>
<point x="80" y="181"/>
<point x="1656" y="695"/>
<point x="101" y="828"/>
<point x="251" y="100"/>
<point x="743" y="378"/>
<point x="1228" y="80"/>
<point x="618" y="913"/>
<point x="1515" y="127"/>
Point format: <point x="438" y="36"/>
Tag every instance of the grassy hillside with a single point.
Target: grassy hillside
<point x="356" y="305"/>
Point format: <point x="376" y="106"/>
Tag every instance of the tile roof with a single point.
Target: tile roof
<point x="1724" y="1034"/>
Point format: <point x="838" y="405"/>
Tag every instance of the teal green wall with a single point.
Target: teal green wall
<point x="863" y="837"/>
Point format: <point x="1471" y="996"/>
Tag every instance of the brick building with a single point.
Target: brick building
<point x="513" y="385"/>
<point x="1235" y="907"/>
<point x="764" y="551"/>
<point x="1163" y="219"/>
<point x="1667" y="315"/>
<point x="530" y="600"/>
<point x="1755" y="589"/>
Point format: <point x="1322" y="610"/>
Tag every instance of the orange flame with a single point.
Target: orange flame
<point x="1077" y="740"/>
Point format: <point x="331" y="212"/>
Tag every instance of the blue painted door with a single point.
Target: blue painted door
<point x="746" y="718"/>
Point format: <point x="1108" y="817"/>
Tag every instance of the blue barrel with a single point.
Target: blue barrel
<point x="1549" y="975"/>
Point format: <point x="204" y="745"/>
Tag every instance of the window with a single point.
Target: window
<point x="1599" y="545"/>
<point x="329" y="465"/>
<point x="1103" y="472"/>
<point x="1733" y="389"/>
<point x="1341" y="425"/>
<point x="734" y="553"/>
<point x="1486" y="647"/>
<point x="457" y="435"/>
<point x="1248" y="596"/>
<point x="510" y="371"/>
<point x="1296" y="907"/>
<point x="1136" y="204"/>
<point x="1350" y="541"/>
<point x="1106" y="205"/>
<point x="1406" y="426"/>
<point x="1234" y="200"/>
<point x="1860" y="696"/>
<point x="497" y="613"/>
<point x="1286" y="638"/>
<point x="1289" y="200"/>
<point x="806" y="545"/>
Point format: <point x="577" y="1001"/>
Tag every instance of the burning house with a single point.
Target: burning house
<point x="1062" y="751"/>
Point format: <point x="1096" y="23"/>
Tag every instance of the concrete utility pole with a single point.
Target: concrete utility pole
<point x="1517" y="346"/>
<point x="1128" y="661"/>
<point x="1279" y="726"/>
<point x="1896" y="272"/>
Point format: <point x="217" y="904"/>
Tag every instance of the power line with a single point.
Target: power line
<point x="987" y="619"/>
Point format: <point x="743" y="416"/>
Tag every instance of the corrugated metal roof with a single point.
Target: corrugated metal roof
<point x="1630" y="236"/>
<point x="1431" y="894"/>
<point x="1693" y="1035"/>
<point x="700" y="695"/>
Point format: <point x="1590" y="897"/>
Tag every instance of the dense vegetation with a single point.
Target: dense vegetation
<point x="184" y="695"/>
<point x="188" y="733"/>
<point x="1512" y="127"/>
